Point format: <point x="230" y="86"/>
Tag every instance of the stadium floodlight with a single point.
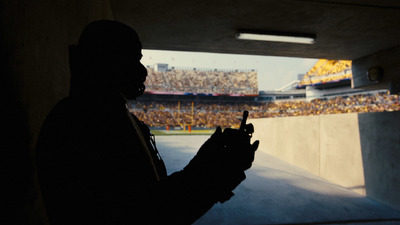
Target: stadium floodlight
<point x="276" y="37"/>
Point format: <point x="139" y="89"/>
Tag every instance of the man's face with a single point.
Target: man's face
<point x="136" y="74"/>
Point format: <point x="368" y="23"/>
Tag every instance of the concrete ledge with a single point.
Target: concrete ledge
<point x="357" y="151"/>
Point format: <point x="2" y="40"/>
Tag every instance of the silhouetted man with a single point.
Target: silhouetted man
<point x="96" y="162"/>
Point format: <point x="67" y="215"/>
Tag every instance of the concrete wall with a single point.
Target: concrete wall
<point x="34" y="68"/>
<point x="300" y="143"/>
<point x="380" y="144"/>
<point x="357" y="151"/>
<point x="340" y="151"/>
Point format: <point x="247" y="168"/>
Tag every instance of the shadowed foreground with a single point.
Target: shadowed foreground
<point x="277" y="193"/>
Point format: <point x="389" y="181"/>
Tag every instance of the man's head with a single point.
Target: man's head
<point x="107" y="59"/>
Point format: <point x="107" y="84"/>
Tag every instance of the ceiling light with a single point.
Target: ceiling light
<point x="275" y="37"/>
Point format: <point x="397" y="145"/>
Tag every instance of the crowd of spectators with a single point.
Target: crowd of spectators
<point x="211" y="115"/>
<point x="325" y="71"/>
<point x="202" y="81"/>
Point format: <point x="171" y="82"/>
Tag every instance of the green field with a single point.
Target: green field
<point x="183" y="132"/>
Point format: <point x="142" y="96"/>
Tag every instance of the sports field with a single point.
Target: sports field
<point x="183" y="132"/>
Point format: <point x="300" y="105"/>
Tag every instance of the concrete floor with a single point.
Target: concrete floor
<point x="277" y="193"/>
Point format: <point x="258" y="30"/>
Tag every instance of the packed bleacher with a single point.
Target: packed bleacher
<point x="325" y="71"/>
<point x="205" y="81"/>
<point x="206" y="114"/>
<point x="211" y="115"/>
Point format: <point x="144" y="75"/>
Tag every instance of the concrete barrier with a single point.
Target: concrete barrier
<point x="357" y="151"/>
<point x="380" y="144"/>
<point x="340" y="151"/>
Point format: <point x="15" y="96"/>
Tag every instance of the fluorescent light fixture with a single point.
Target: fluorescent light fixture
<point x="305" y="39"/>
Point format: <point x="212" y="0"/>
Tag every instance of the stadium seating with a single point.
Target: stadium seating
<point x="211" y="115"/>
<point x="325" y="71"/>
<point x="202" y="81"/>
<point x="177" y="113"/>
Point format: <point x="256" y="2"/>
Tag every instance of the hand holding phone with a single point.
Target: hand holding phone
<point x="247" y="128"/>
<point x="240" y="150"/>
<point x="223" y="158"/>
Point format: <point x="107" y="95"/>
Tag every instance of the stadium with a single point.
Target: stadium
<point x="201" y="98"/>
<point x="319" y="123"/>
<point x="329" y="140"/>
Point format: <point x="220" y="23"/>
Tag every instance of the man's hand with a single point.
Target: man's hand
<point x="223" y="158"/>
<point x="240" y="151"/>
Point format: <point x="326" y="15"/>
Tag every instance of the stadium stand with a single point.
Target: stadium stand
<point x="200" y="80"/>
<point x="161" y="106"/>
<point x="211" y="115"/>
<point x="325" y="71"/>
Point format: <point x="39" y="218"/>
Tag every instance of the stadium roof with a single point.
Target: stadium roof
<point x="344" y="29"/>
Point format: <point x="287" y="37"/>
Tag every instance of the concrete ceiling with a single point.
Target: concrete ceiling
<point x="345" y="29"/>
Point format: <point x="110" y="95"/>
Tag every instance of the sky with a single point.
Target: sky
<point x="273" y="72"/>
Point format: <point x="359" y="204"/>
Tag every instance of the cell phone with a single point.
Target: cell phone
<point x="243" y="123"/>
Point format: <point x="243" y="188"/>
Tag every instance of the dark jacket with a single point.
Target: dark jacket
<point x="92" y="169"/>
